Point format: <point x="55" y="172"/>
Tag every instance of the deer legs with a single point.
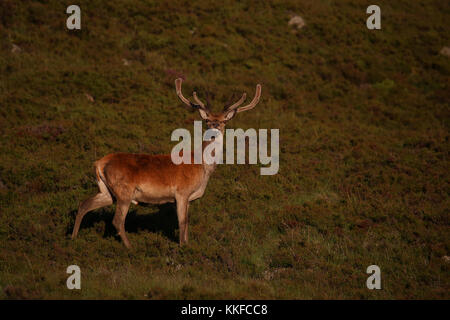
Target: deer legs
<point x="119" y="220"/>
<point x="100" y="200"/>
<point x="104" y="199"/>
<point x="182" y="214"/>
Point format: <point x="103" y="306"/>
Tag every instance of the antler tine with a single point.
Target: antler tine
<point x="237" y="104"/>
<point x="201" y="104"/>
<point x="179" y="93"/>
<point x="254" y="102"/>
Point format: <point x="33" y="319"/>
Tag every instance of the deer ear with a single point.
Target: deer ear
<point x="203" y="114"/>
<point x="230" y="115"/>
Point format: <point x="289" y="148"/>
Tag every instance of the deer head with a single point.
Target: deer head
<point x="218" y="120"/>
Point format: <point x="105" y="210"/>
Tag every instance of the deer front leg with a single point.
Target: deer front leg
<point x="187" y="224"/>
<point x="182" y="214"/>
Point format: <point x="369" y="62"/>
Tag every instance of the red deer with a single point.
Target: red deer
<point x="156" y="179"/>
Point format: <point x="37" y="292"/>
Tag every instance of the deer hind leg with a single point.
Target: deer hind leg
<point x="182" y="214"/>
<point x="102" y="199"/>
<point x="119" y="220"/>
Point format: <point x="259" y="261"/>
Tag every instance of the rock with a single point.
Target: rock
<point x="445" y="51"/>
<point x="297" y="22"/>
<point x="268" y="275"/>
<point x="15" y="48"/>
<point x="89" y="97"/>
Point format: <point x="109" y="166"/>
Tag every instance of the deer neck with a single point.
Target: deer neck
<point x="210" y="167"/>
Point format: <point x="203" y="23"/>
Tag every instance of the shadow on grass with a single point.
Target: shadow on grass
<point x="163" y="221"/>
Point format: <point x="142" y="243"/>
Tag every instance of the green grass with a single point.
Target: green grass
<point x="363" y="118"/>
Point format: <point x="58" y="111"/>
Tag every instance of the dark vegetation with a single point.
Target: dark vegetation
<point x="363" y="118"/>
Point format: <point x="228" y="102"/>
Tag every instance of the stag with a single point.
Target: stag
<point x="133" y="178"/>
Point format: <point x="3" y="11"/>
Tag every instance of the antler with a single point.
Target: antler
<point x="237" y="104"/>
<point x="251" y="105"/>
<point x="199" y="104"/>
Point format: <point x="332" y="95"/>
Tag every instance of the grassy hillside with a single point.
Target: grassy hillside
<point x="363" y="118"/>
